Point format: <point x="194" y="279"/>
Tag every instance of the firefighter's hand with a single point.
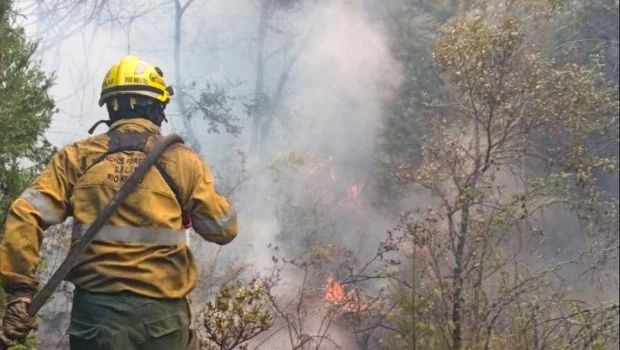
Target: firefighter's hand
<point x="5" y="342"/>
<point x="16" y="323"/>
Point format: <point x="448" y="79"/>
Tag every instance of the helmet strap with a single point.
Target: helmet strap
<point x="96" y="125"/>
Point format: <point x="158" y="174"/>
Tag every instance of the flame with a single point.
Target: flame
<point x="336" y="296"/>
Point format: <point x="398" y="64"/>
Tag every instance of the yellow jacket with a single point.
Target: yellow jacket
<point x="143" y="247"/>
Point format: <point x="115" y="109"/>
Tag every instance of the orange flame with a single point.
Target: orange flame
<point x="336" y="295"/>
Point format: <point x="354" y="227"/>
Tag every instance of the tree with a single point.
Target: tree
<point x="413" y="27"/>
<point x="589" y="33"/>
<point x="510" y="140"/>
<point x="179" y="11"/>
<point x="266" y="104"/>
<point x="26" y="110"/>
<point x="58" y="20"/>
<point x="213" y="103"/>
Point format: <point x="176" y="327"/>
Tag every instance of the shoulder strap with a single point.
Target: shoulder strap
<point x="122" y="142"/>
<point x="136" y="142"/>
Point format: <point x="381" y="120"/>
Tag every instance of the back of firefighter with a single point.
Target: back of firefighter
<point x="132" y="282"/>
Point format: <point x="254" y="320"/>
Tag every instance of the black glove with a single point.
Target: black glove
<point x="16" y="323"/>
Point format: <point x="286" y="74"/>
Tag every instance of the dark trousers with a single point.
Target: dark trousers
<point x="126" y="321"/>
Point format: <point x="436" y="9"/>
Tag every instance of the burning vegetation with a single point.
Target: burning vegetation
<point x="336" y="296"/>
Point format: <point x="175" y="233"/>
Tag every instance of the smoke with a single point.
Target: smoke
<point x="344" y="74"/>
<point x="344" y="77"/>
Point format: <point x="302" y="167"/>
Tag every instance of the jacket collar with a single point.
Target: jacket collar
<point x="137" y="125"/>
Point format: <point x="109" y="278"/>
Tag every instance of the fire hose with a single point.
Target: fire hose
<point x="80" y="247"/>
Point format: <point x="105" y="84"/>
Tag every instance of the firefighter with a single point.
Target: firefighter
<point x="132" y="282"/>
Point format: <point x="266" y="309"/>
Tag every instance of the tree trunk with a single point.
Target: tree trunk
<point x="276" y="101"/>
<point x="189" y="134"/>
<point x="259" y="89"/>
<point x="457" y="278"/>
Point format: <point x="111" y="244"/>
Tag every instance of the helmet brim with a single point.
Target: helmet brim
<point x="141" y="90"/>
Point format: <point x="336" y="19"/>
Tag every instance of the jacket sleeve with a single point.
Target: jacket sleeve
<point x="44" y="203"/>
<point x="213" y="215"/>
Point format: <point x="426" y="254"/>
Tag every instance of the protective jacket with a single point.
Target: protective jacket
<point x="142" y="248"/>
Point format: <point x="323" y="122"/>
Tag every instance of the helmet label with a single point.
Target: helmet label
<point x="136" y="80"/>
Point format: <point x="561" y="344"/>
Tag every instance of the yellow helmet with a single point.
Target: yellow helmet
<point x="136" y="77"/>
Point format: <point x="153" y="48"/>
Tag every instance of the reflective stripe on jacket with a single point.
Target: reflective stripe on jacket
<point x="142" y="247"/>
